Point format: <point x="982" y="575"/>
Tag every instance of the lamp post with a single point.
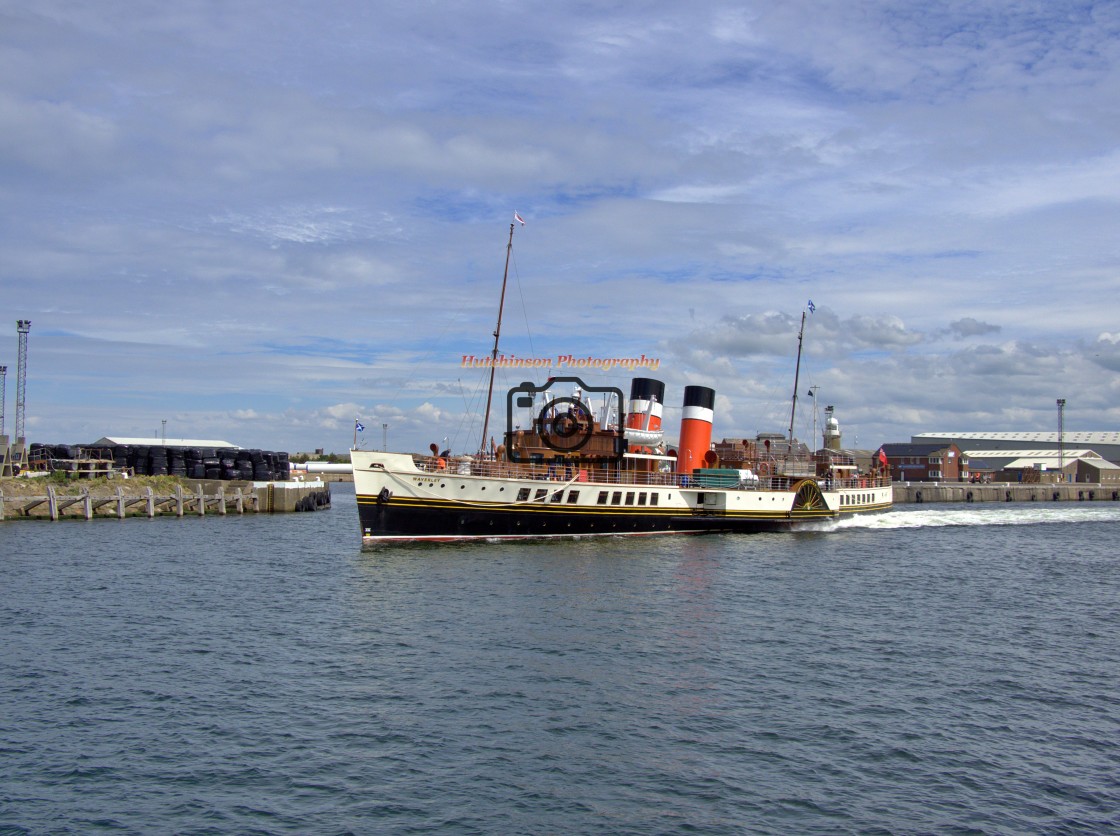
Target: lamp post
<point x="1062" y="438"/>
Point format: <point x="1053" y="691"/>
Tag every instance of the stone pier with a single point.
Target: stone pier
<point x="906" y="493"/>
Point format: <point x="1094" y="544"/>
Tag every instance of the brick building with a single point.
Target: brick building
<point x="934" y="462"/>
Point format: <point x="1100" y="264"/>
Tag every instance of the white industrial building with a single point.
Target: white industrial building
<point x="1105" y="444"/>
<point x="174" y="443"/>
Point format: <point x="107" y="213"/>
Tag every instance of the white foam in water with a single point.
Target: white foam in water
<point x="939" y="516"/>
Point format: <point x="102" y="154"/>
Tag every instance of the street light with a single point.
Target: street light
<point x="1062" y="438"/>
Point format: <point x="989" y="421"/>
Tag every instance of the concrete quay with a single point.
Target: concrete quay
<point x="198" y="498"/>
<point x="906" y="493"/>
<point x="285" y="497"/>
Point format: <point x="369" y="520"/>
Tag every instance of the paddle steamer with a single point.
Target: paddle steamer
<point x="575" y="460"/>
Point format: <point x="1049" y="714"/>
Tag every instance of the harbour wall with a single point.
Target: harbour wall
<point x="906" y="493"/>
<point x="284" y="497"/>
<point x="48" y="501"/>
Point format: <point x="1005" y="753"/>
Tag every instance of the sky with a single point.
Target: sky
<point x="262" y="221"/>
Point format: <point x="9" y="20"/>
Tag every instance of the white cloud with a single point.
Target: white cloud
<point x="53" y="137"/>
<point x="265" y="220"/>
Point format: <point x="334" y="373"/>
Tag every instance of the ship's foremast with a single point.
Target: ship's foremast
<point x="494" y="352"/>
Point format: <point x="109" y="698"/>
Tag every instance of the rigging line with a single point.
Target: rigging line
<point x="463" y="395"/>
<point x="470" y="413"/>
<point x="503" y="383"/>
<point x="410" y="374"/>
<point x="524" y="307"/>
<point x="465" y="416"/>
<point x="484" y="394"/>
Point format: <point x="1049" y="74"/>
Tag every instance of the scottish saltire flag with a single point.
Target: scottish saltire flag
<point x="359" y="426"/>
<point x="812" y="307"/>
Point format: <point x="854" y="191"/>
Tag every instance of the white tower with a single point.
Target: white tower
<point x="831" y="430"/>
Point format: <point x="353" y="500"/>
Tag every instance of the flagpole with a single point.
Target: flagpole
<point x="355" y="447"/>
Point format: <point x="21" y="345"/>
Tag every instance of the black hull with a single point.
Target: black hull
<point x="388" y="522"/>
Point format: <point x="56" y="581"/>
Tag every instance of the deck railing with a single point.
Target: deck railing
<point x="622" y="475"/>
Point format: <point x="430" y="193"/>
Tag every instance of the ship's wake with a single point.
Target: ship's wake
<point x="943" y="516"/>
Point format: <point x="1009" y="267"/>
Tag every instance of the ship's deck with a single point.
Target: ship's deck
<point x="794" y="472"/>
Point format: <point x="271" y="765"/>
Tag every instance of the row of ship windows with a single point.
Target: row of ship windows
<point x="856" y="499"/>
<point x="604" y="498"/>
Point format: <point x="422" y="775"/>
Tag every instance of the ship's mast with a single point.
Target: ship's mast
<point x="494" y="353"/>
<point x="796" y="376"/>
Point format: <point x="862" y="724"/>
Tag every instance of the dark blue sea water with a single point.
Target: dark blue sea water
<point x="942" y="669"/>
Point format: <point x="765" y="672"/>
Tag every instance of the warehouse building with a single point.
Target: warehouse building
<point x="1106" y="444"/>
<point x="1005" y="457"/>
<point x="1039" y="466"/>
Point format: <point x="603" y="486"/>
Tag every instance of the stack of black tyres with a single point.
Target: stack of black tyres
<point x="211" y="464"/>
<point x="225" y="463"/>
<point x="157" y="461"/>
<point x="138" y="460"/>
<point x="228" y="463"/>
<point x="63" y="453"/>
